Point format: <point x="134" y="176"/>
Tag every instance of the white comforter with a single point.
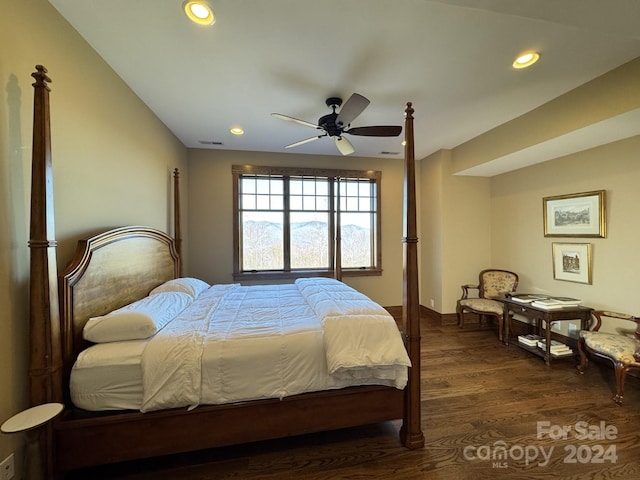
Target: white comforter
<point x="239" y="343"/>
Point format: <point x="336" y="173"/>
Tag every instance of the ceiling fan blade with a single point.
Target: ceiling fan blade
<point x="302" y="142"/>
<point x="344" y="146"/>
<point x="294" y="120"/>
<point x="351" y="109"/>
<point x="376" y="131"/>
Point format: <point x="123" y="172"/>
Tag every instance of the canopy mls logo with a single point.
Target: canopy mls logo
<point x="500" y="454"/>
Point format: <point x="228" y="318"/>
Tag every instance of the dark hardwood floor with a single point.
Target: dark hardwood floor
<point x="480" y="399"/>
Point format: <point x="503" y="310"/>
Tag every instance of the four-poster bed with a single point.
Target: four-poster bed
<point x="117" y="267"/>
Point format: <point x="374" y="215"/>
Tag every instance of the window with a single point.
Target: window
<point x="286" y="222"/>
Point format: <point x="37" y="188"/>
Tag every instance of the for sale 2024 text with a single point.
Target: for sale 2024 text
<point x="584" y="450"/>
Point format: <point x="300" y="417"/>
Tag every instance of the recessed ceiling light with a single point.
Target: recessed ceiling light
<point x="526" y="60"/>
<point x="199" y="11"/>
<point x="237" y="131"/>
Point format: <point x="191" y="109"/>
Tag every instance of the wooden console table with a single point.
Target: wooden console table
<point x="547" y="317"/>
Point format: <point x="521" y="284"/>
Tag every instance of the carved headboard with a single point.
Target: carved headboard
<point x="108" y="271"/>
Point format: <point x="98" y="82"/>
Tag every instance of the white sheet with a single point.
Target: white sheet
<point x="238" y="343"/>
<point x="108" y="376"/>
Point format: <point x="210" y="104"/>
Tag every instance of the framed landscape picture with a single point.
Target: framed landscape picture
<point x="572" y="262"/>
<point x="575" y="215"/>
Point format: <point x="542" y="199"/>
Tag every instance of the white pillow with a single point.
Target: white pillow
<point x="138" y="320"/>
<point x="190" y="286"/>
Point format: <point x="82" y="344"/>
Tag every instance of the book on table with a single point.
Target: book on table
<point x="550" y="303"/>
<point x="562" y="301"/>
<point x="530" y="340"/>
<point x="563" y="353"/>
<point x="527" y="297"/>
<point x="565" y="300"/>
<point x="554" y="343"/>
<point x="547" y="306"/>
<point x="556" y="347"/>
<point x="545" y="301"/>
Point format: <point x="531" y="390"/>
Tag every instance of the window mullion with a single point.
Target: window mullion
<point x="332" y="222"/>
<point x="237" y="221"/>
<point x="377" y="208"/>
<point x="337" y="244"/>
<point x="287" y="226"/>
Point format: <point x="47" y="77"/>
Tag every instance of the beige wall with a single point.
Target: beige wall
<point x="466" y="241"/>
<point x="431" y="230"/>
<point x="112" y="162"/>
<point x="211" y="214"/>
<point x="518" y="234"/>
<point x="456" y="236"/>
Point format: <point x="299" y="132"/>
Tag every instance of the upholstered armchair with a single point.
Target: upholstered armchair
<point x="492" y="285"/>
<point x="622" y="349"/>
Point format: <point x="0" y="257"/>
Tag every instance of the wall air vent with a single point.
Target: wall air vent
<point x="210" y="142"/>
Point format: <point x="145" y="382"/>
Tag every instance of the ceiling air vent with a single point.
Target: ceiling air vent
<point x="210" y="142"/>
<point x="384" y="152"/>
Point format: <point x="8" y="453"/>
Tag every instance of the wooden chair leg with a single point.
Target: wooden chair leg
<point x="621" y="373"/>
<point x="501" y="328"/>
<point x="584" y="360"/>
<point x="460" y="314"/>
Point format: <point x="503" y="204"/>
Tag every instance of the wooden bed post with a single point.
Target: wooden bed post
<point x="45" y="348"/>
<point x="411" y="432"/>
<point x="177" y="231"/>
<point x="45" y="360"/>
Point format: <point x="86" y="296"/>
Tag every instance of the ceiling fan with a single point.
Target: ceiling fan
<point x="336" y="124"/>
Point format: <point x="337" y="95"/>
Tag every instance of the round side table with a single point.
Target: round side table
<point x="31" y="418"/>
<point x="28" y="421"/>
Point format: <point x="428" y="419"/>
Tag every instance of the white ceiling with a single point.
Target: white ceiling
<point x="450" y="58"/>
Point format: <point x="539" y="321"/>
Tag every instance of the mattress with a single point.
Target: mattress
<point x="108" y="376"/>
<point x="237" y="343"/>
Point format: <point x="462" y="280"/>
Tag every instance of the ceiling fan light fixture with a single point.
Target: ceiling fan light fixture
<point x="526" y="60"/>
<point x="344" y="146"/>
<point x="199" y="11"/>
